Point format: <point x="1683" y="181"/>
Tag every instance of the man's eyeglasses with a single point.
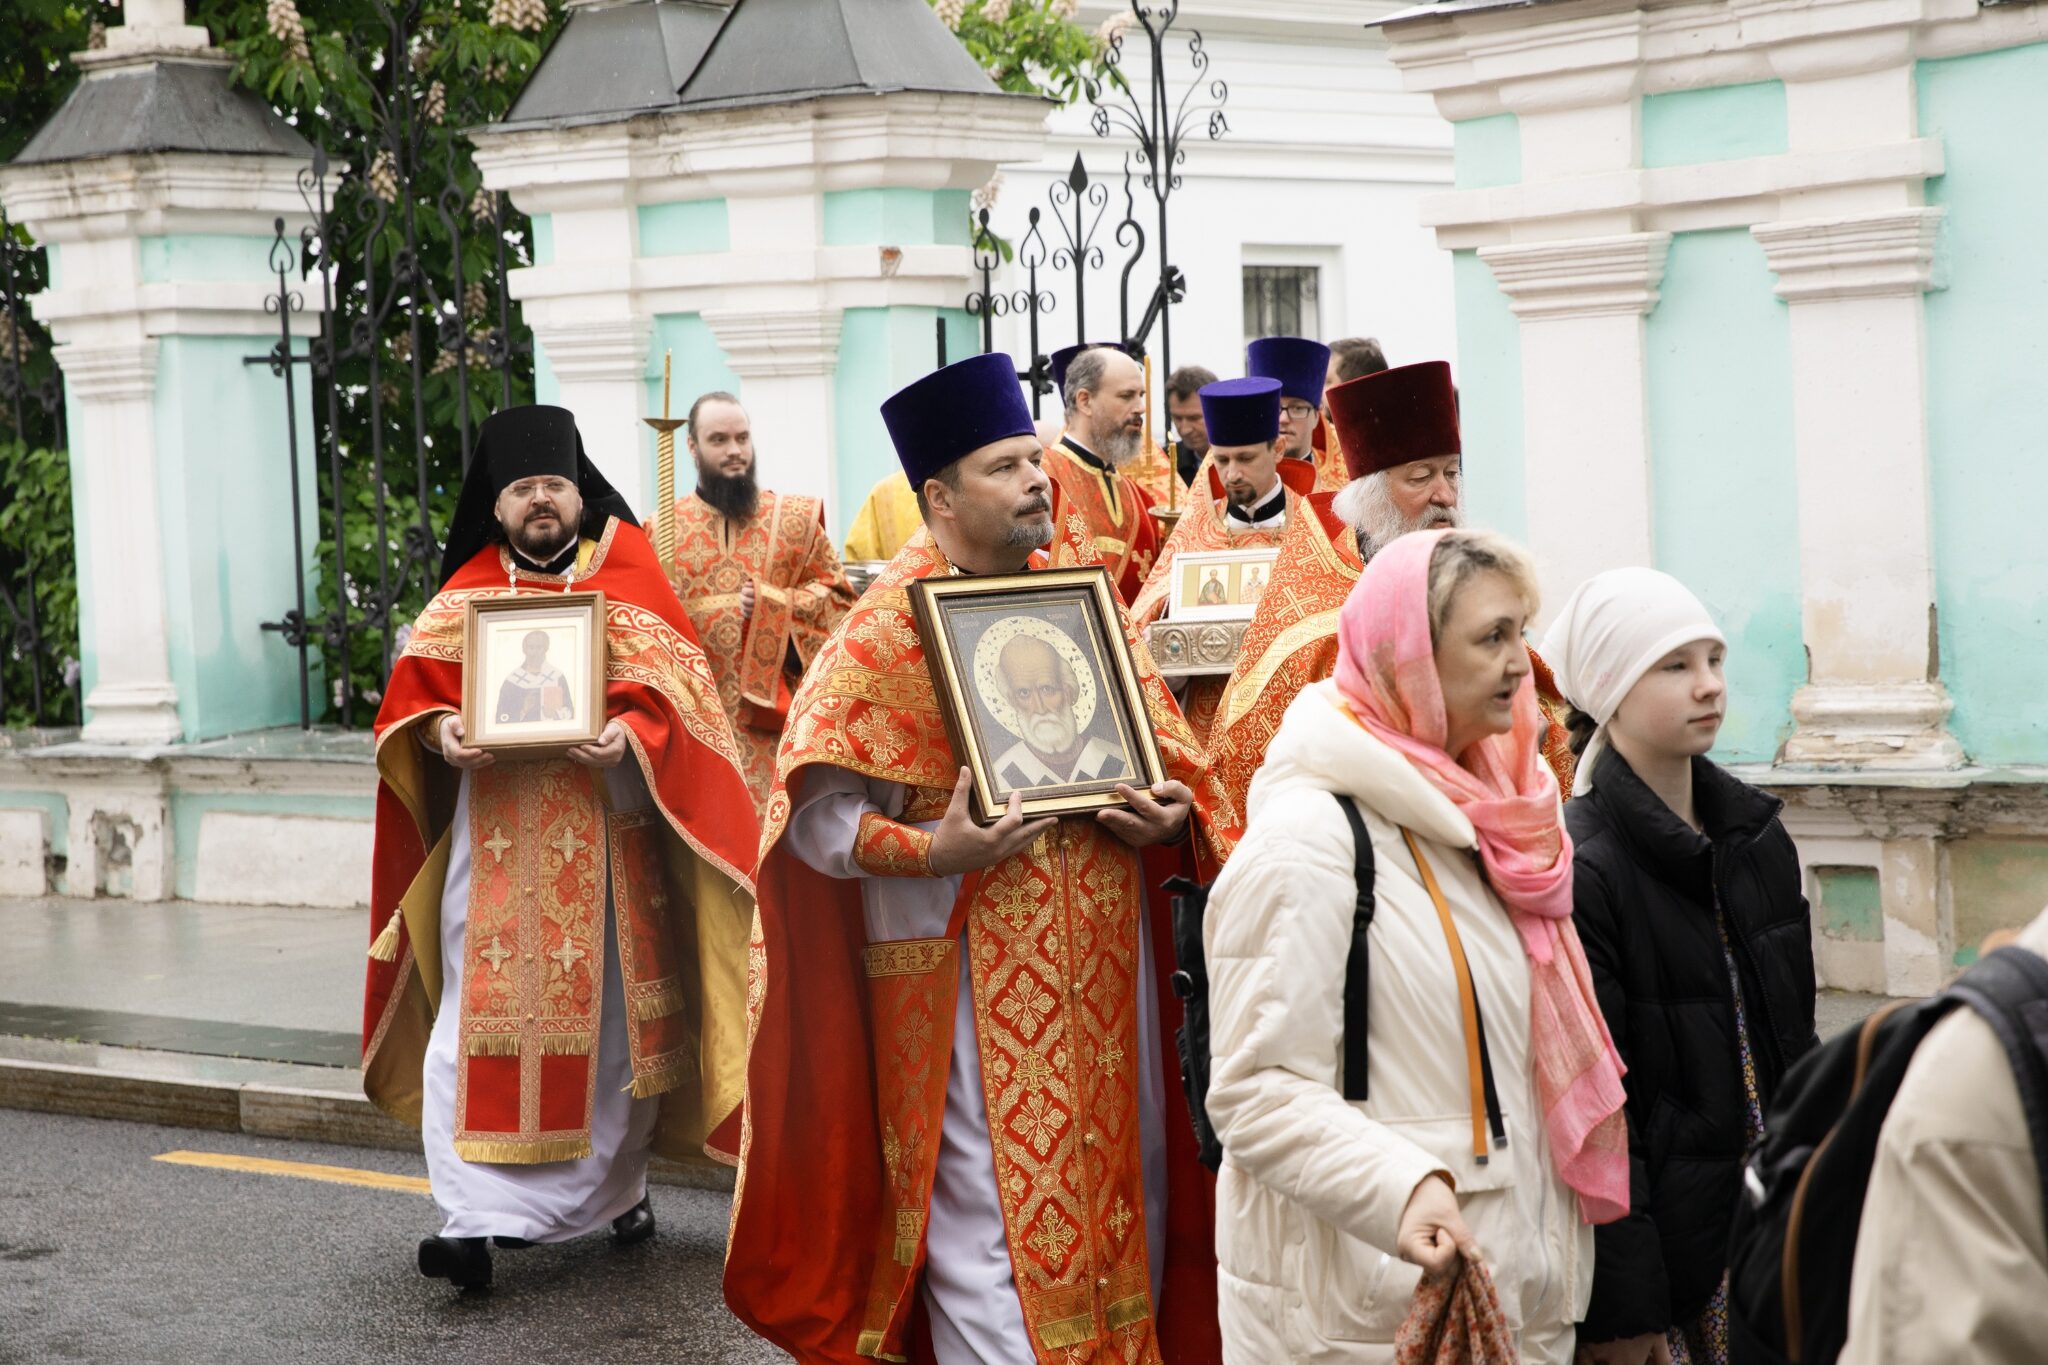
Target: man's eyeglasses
<point x="1300" y="412"/>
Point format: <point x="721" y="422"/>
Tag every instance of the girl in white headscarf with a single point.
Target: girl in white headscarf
<point x="1686" y="895"/>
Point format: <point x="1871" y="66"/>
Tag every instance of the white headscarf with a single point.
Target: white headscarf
<point x="1611" y="632"/>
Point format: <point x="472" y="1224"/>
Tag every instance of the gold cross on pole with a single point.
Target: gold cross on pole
<point x="665" y="475"/>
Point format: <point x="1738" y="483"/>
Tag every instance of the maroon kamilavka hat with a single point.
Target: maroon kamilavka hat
<point x="1395" y="416"/>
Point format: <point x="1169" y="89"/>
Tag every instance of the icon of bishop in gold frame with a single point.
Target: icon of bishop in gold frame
<point x="533" y="672"/>
<point x="1038" y="689"/>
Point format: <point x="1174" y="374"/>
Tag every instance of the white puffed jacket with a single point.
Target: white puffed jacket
<point x="1312" y="1186"/>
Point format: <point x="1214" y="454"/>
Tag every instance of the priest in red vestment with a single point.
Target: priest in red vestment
<point x="1398" y="430"/>
<point x="963" y="1144"/>
<point x="1303" y="367"/>
<point x="557" y="979"/>
<point x="1092" y="463"/>
<point x="758" y="577"/>
<point x="1242" y="501"/>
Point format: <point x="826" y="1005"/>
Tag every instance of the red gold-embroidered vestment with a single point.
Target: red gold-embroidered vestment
<point x="1118" y="513"/>
<point x="1207" y="526"/>
<point x="800" y="594"/>
<point x="544" y="850"/>
<point x="850" y="1044"/>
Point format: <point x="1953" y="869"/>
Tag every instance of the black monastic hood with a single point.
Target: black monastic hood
<point x="515" y="444"/>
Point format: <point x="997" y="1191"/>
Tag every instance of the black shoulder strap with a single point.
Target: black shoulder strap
<point x="2009" y="990"/>
<point x="1358" y="965"/>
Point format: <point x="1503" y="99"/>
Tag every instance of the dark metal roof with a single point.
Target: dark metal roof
<point x="166" y="105"/>
<point x="617" y="60"/>
<point x="776" y="50"/>
<point x="613" y="61"/>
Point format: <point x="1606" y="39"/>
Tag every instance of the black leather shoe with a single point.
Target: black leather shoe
<point x="635" y="1224"/>
<point x="464" y="1262"/>
<point x="511" y="1243"/>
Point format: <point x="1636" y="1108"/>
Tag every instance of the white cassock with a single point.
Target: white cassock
<point x="550" y="1201"/>
<point x="969" y="1290"/>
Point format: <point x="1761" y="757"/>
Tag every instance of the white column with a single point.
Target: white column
<point x="113" y="388"/>
<point x="785" y="361"/>
<point x="1854" y="284"/>
<point x="1585" y="419"/>
<point x="601" y="366"/>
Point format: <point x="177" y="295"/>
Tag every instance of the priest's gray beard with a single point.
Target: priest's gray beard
<point x="1120" y="447"/>
<point x="1368" y="508"/>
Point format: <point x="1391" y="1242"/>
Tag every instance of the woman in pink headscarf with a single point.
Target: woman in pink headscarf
<point x="1438" y="1082"/>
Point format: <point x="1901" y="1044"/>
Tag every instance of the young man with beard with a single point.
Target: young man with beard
<point x="1243" y="502"/>
<point x="1398" y="430"/>
<point x="557" y="983"/>
<point x="758" y="577"/>
<point x="962" y="1143"/>
<point x="1090" y="464"/>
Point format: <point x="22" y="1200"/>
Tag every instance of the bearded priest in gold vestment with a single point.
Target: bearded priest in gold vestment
<point x="759" y="578"/>
<point x="962" y="1145"/>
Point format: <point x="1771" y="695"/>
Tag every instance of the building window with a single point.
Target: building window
<point x="1280" y="301"/>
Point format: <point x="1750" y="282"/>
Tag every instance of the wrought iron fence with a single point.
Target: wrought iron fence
<point x="417" y="341"/>
<point x="1159" y="122"/>
<point x="39" y="670"/>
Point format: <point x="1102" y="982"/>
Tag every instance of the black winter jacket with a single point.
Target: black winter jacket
<point x="1646" y="889"/>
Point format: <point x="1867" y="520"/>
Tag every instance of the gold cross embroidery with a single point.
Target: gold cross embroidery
<point x="1121" y="1219"/>
<point x="498" y="843"/>
<point x="568" y="846"/>
<point x="1111" y="1057"/>
<point x="568" y="955"/>
<point x="496" y="955"/>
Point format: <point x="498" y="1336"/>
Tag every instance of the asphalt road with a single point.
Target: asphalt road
<point x="110" y="1256"/>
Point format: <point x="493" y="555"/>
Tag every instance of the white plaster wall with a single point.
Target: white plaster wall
<point x="24" y="853"/>
<point x="1326" y="161"/>
<point x="247" y="859"/>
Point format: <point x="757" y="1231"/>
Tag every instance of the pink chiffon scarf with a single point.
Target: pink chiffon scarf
<point x="1386" y="672"/>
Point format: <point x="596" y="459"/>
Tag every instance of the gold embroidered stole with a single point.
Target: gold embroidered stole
<point x="543" y="854"/>
<point x="1052" y="941"/>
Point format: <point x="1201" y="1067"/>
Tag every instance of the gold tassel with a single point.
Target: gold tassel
<point x="1057" y="1336"/>
<point x="385" y="947"/>
<point x="660" y="1004"/>
<point x="1124" y="1312"/>
<point x="660" y="1081"/>
<point x="517" y="1152"/>
<point x="491" y="1045"/>
<point x="567" y="1044"/>
<point x="870" y="1345"/>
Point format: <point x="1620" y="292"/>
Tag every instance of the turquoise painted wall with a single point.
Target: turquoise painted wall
<point x="1987" y="401"/>
<point x="896" y="217"/>
<point x="188" y="809"/>
<point x="543" y="239"/>
<point x="683" y="227"/>
<point x="1489" y="378"/>
<point x="224" y="489"/>
<point x="1723" y="490"/>
<point x="1486" y="152"/>
<point x="881" y="350"/>
<point x="213" y="256"/>
<point x="699" y="367"/>
<point x="1720" y="123"/>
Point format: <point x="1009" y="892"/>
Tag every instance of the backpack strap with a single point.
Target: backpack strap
<point x="2009" y="990"/>
<point x="1358" y="964"/>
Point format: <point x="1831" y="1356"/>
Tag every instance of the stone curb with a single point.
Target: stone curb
<point x="279" y="1111"/>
